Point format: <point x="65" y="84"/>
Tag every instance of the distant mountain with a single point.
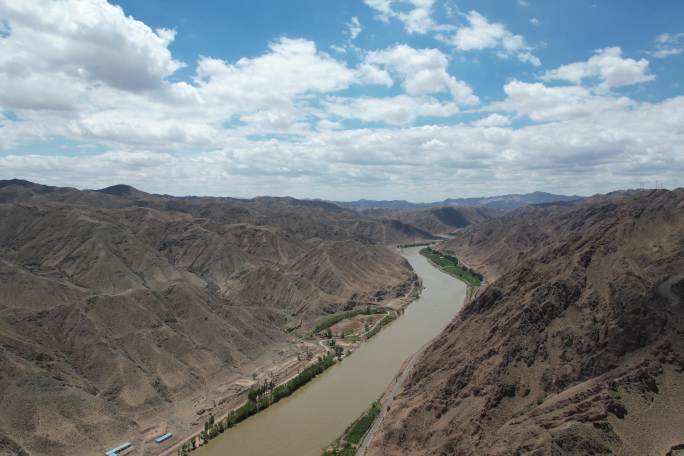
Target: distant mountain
<point x="505" y="202"/>
<point x="439" y="220"/>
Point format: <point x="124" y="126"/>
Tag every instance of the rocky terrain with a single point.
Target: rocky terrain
<point x="576" y="346"/>
<point x="120" y="310"/>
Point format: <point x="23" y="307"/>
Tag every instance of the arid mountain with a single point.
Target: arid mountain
<point x="504" y="202"/>
<point x="438" y="220"/>
<point x="576" y="346"/>
<point x="120" y="309"/>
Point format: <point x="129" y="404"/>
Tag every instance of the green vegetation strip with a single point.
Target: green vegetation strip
<point x="348" y="443"/>
<point x="450" y="265"/>
<point x="259" y="398"/>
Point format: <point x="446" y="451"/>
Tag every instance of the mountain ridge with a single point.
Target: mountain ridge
<point x="122" y="310"/>
<point x="505" y="202"/>
<point x="574" y="347"/>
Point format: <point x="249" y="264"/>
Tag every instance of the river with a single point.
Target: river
<point x="308" y="421"/>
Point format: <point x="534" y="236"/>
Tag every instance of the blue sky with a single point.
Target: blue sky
<point x="412" y="99"/>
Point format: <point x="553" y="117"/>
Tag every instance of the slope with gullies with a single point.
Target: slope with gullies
<point x="119" y="308"/>
<point x="575" y="347"/>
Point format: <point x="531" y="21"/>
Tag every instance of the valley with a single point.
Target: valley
<point x="127" y="315"/>
<point x="269" y="326"/>
<point x="305" y="423"/>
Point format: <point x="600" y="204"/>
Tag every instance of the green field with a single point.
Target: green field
<point x="348" y="443"/>
<point x="359" y="429"/>
<point x="450" y="265"/>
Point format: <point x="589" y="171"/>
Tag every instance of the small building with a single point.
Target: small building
<point x="163" y="438"/>
<point x="118" y="449"/>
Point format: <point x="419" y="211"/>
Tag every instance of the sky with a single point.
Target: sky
<point x="343" y="99"/>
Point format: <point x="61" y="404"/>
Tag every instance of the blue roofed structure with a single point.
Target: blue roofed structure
<point x="163" y="438"/>
<point x="117" y="450"/>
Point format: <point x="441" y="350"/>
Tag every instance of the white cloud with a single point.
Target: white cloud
<point x="608" y="66"/>
<point x="524" y="3"/>
<point x="422" y="71"/>
<point x="598" y="152"/>
<point x="397" y="110"/>
<point x="535" y="21"/>
<point x="482" y="34"/>
<point x="417" y="20"/>
<point x="493" y="120"/>
<point x="354" y="28"/>
<point x="383" y="8"/>
<point x="82" y="71"/>
<point x="541" y="103"/>
<point x="371" y="74"/>
<point x="90" y="41"/>
<point x="667" y="45"/>
<point x="291" y="67"/>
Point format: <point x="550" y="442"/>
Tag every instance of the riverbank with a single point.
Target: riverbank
<point x="292" y="367"/>
<point x="450" y="264"/>
<point x="305" y="423"/>
<point x="345" y="446"/>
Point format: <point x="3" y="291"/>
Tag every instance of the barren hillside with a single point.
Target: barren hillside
<point x="121" y="309"/>
<point x="576" y="348"/>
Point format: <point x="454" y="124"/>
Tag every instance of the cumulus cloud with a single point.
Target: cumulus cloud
<point x="90" y="41"/>
<point x="291" y="67"/>
<point x="372" y="74"/>
<point x="541" y="103"/>
<point x="480" y="33"/>
<point x="422" y="71"/>
<point x="576" y="155"/>
<point x="608" y="66"/>
<point x="274" y="122"/>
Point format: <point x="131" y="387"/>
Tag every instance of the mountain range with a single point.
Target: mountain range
<point x="503" y="202"/>
<point x="121" y="309"/>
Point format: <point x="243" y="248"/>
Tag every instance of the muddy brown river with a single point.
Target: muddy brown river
<point x="308" y="421"/>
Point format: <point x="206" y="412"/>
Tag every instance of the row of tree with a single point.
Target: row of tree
<point x="258" y="398"/>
